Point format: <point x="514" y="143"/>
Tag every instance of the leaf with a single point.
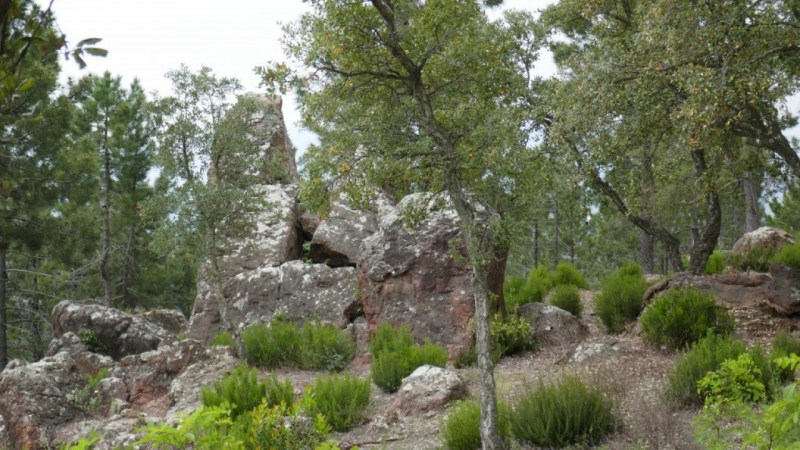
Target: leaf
<point x="25" y="85"/>
<point x="88" y="41"/>
<point x="95" y="51"/>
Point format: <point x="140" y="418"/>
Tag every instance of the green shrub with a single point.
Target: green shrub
<point x="680" y="317"/>
<point x="92" y="341"/>
<point x="568" y="298"/>
<point x="275" y="346"/>
<point x="461" y="428"/>
<point x="620" y="300"/>
<point x="788" y="255"/>
<point x="341" y="400"/>
<point x="512" y="292"/>
<point x="566" y="273"/>
<point x="222" y="339"/>
<point x="783" y="345"/>
<point x="242" y="391"/>
<point x="566" y="413"/>
<point x="325" y="347"/>
<point x="510" y="335"/>
<point x="715" y="263"/>
<point x="757" y="259"/>
<point x="630" y="269"/>
<point x="518" y="291"/>
<point x="706" y="356"/>
<point x="395" y="356"/>
<point x="735" y="381"/>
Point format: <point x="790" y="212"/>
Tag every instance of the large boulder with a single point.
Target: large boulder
<point x="184" y="389"/>
<point x="268" y="132"/>
<point x="782" y="295"/>
<point x="337" y="240"/>
<point x="116" y="332"/>
<point x="418" y="275"/>
<point x="733" y="289"/>
<point x="764" y="237"/>
<point x="36" y="398"/>
<point x="427" y="391"/>
<point x="552" y="326"/>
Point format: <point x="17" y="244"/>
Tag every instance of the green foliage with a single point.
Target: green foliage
<point x="567" y="274"/>
<point x="314" y="346"/>
<point x="565" y="413"/>
<point x="395" y="356"/>
<point x="325" y="347"/>
<point x="620" y="299"/>
<point x="461" y="429"/>
<point x="87" y="398"/>
<point x="519" y="291"/>
<point x="568" y="298"/>
<point x="788" y="255"/>
<point x="735" y="381"/>
<point x="705" y="356"/>
<point x="510" y="335"/>
<point x="341" y="400"/>
<point x="91" y="341"/>
<point x="715" y="263"/>
<point x="241" y="391"/>
<point x="223" y="339"/>
<point x="783" y="345"/>
<point x="757" y="259"/>
<point x="84" y="443"/>
<point x="680" y="317"/>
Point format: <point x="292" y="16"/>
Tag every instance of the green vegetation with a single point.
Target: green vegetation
<point x="313" y="346"/>
<point x="788" y="255"/>
<point x="783" y="345"/>
<point x="565" y="413"/>
<point x="241" y="391"/>
<point x="519" y="291"/>
<point x="620" y="299"/>
<point x="460" y="429"/>
<point x="341" y="400"/>
<point x="395" y="356"/>
<point x="567" y="274"/>
<point x="735" y="381"/>
<point x="222" y="339"/>
<point x="757" y="259"/>
<point x="680" y="317"/>
<point x="568" y="298"/>
<point x="715" y="264"/>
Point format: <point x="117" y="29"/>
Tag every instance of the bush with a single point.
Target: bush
<point x="395" y="356"/>
<point x="510" y="335"/>
<point x="706" y="356"/>
<point x="567" y="274"/>
<point x="566" y="413"/>
<point x="222" y="339"/>
<point x="461" y="428"/>
<point x="341" y="400"/>
<point x="757" y="259"/>
<point x="92" y="342"/>
<point x="621" y="298"/>
<point x="276" y="346"/>
<point x="241" y="391"/>
<point x="788" y="255"/>
<point x="568" y="298"/>
<point x="518" y="291"/>
<point x="735" y="381"/>
<point x="325" y="347"/>
<point x="682" y="316"/>
<point x="783" y="345"/>
<point x="715" y="263"/>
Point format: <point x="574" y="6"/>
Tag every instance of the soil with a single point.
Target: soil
<point x="635" y="373"/>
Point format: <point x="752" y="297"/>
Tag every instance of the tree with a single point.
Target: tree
<point x="410" y="95"/>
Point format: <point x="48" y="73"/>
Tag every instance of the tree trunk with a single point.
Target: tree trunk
<point x="646" y="251"/>
<point x="39" y="346"/>
<point x="704" y="246"/>
<point x="3" y="308"/>
<point x="104" y="275"/>
<point x="128" y="269"/>
<point x="556" y="225"/>
<point x="536" y="242"/>
<point x="752" y="211"/>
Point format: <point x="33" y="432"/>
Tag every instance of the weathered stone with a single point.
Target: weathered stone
<point x="115" y="432"/>
<point x="764" y="237"/>
<point x="418" y="276"/>
<point x="553" y="326"/>
<point x="740" y="288"/>
<point x="427" y="391"/>
<point x="148" y="375"/>
<point x="268" y="132"/>
<point x="205" y="320"/>
<point x="337" y="240"/>
<point x="783" y="293"/>
<point x="296" y="290"/>
<point x="168" y="319"/>
<point x="184" y="390"/>
<point x="590" y="350"/>
<point x="120" y="333"/>
<point x="35" y="398"/>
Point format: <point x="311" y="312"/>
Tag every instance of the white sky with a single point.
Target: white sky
<point x="147" y="38"/>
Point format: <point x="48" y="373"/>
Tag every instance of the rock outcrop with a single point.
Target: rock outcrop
<point x="764" y="237"/>
<point x="427" y="391"/>
<point x="782" y="294"/>
<point x="553" y="326"/>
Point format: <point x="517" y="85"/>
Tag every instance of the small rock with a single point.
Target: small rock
<point x="592" y="349"/>
<point x="552" y="326"/>
<point x="426" y="391"/>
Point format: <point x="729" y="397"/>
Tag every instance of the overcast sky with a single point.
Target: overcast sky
<point x="147" y="38"/>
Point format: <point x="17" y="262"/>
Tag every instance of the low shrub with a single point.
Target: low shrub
<point x="518" y="291"/>
<point x="680" y="317"/>
<point x="567" y="274"/>
<point x="341" y="400"/>
<point x="242" y="391"/>
<point x="510" y="335"/>
<point x="92" y="342"/>
<point x="568" y="298"/>
<point x="325" y="347"/>
<point x="620" y="299"/>
<point x="715" y="263"/>
<point x="274" y="346"/>
<point x="395" y="356"/>
<point x="461" y="429"/>
<point x="222" y="339"/>
<point x="783" y="345"/>
<point x="788" y="255"/>
<point x="735" y="381"/>
<point x="705" y="356"/>
<point x="565" y="413"/>
<point x="757" y="259"/>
